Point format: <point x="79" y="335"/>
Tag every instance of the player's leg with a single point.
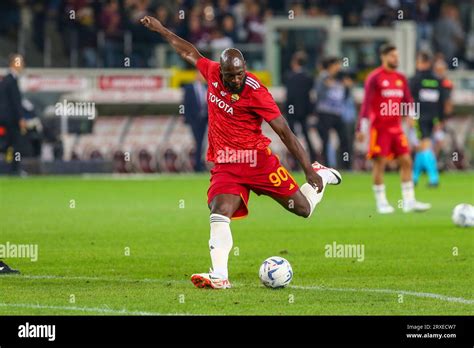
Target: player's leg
<point x="419" y="162"/>
<point x="323" y="126"/>
<point x="399" y="147"/>
<point x="432" y="165"/>
<point x="379" y="150"/>
<point x="305" y="131"/>
<point x="418" y="165"/>
<point x="223" y="207"/>
<point x="304" y="201"/>
<point x="429" y="157"/>
<point x="378" y="171"/>
<point x="225" y="204"/>
<point x="408" y="188"/>
<point x="340" y="128"/>
<point x="297" y="203"/>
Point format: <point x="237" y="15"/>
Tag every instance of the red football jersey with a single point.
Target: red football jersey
<point x="385" y="93"/>
<point x="235" y="120"/>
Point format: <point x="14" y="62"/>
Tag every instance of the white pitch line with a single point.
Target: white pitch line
<point x="317" y="288"/>
<point x="389" y="291"/>
<point x="91" y="309"/>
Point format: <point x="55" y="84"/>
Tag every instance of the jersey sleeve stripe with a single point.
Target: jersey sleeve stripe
<point x="249" y="84"/>
<point x="253" y="80"/>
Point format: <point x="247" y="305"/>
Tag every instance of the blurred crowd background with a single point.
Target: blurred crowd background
<point x="137" y="111"/>
<point x="100" y="33"/>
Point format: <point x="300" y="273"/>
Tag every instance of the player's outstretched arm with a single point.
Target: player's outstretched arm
<point x="185" y="49"/>
<point x="280" y="126"/>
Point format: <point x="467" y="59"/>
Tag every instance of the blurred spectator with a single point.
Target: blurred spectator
<point x="9" y="17"/>
<point x="228" y="27"/>
<point x="424" y="29"/>
<point x="39" y="18"/>
<point x="195" y="113"/>
<point x="196" y="33"/>
<point x="219" y="41"/>
<point x="87" y="36"/>
<point x="143" y="39"/>
<point x="332" y="93"/>
<point x="241" y="21"/>
<point x="110" y="23"/>
<point x="12" y="121"/>
<point x="254" y="23"/>
<point x="440" y="70"/>
<point x="298" y="85"/>
<point x="223" y="8"/>
<point x="34" y="130"/>
<point x="448" y="33"/>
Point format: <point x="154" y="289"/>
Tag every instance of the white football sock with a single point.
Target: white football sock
<point x="220" y="244"/>
<point x="408" y="192"/>
<point x="379" y="192"/>
<point x="311" y="195"/>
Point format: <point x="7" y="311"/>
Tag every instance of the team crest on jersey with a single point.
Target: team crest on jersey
<point x="399" y="83"/>
<point x="235" y="97"/>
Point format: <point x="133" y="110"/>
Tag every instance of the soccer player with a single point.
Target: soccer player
<point x="428" y="91"/>
<point x="387" y="97"/>
<point x="237" y="105"/>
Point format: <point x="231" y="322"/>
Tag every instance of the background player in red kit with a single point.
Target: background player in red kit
<point x="387" y="97"/>
<point x="237" y="105"/>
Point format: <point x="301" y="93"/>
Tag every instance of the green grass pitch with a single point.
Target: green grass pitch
<point x="414" y="264"/>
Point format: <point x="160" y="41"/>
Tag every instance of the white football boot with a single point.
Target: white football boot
<point x="334" y="179"/>
<point x="415" y="206"/>
<point x="210" y="281"/>
<point x="385" y="208"/>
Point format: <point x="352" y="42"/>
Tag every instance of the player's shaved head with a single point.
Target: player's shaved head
<point x="232" y="57"/>
<point x="233" y="69"/>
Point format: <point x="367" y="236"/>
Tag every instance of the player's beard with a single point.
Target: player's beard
<point x="234" y="90"/>
<point x="393" y="66"/>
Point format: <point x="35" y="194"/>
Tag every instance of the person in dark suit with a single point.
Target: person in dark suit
<point x="12" y="121"/>
<point x="195" y="113"/>
<point x="298" y="83"/>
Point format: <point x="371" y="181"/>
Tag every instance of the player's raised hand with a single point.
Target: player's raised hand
<point x="315" y="180"/>
<point x="151" y="23"/>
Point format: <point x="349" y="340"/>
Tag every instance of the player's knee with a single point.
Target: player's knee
<point x="303" y="210"/>
<point x="225" y="209"/>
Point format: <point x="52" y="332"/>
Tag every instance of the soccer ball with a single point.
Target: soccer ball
<point x="463" y="215"/>
<point x="275" y="272"/>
